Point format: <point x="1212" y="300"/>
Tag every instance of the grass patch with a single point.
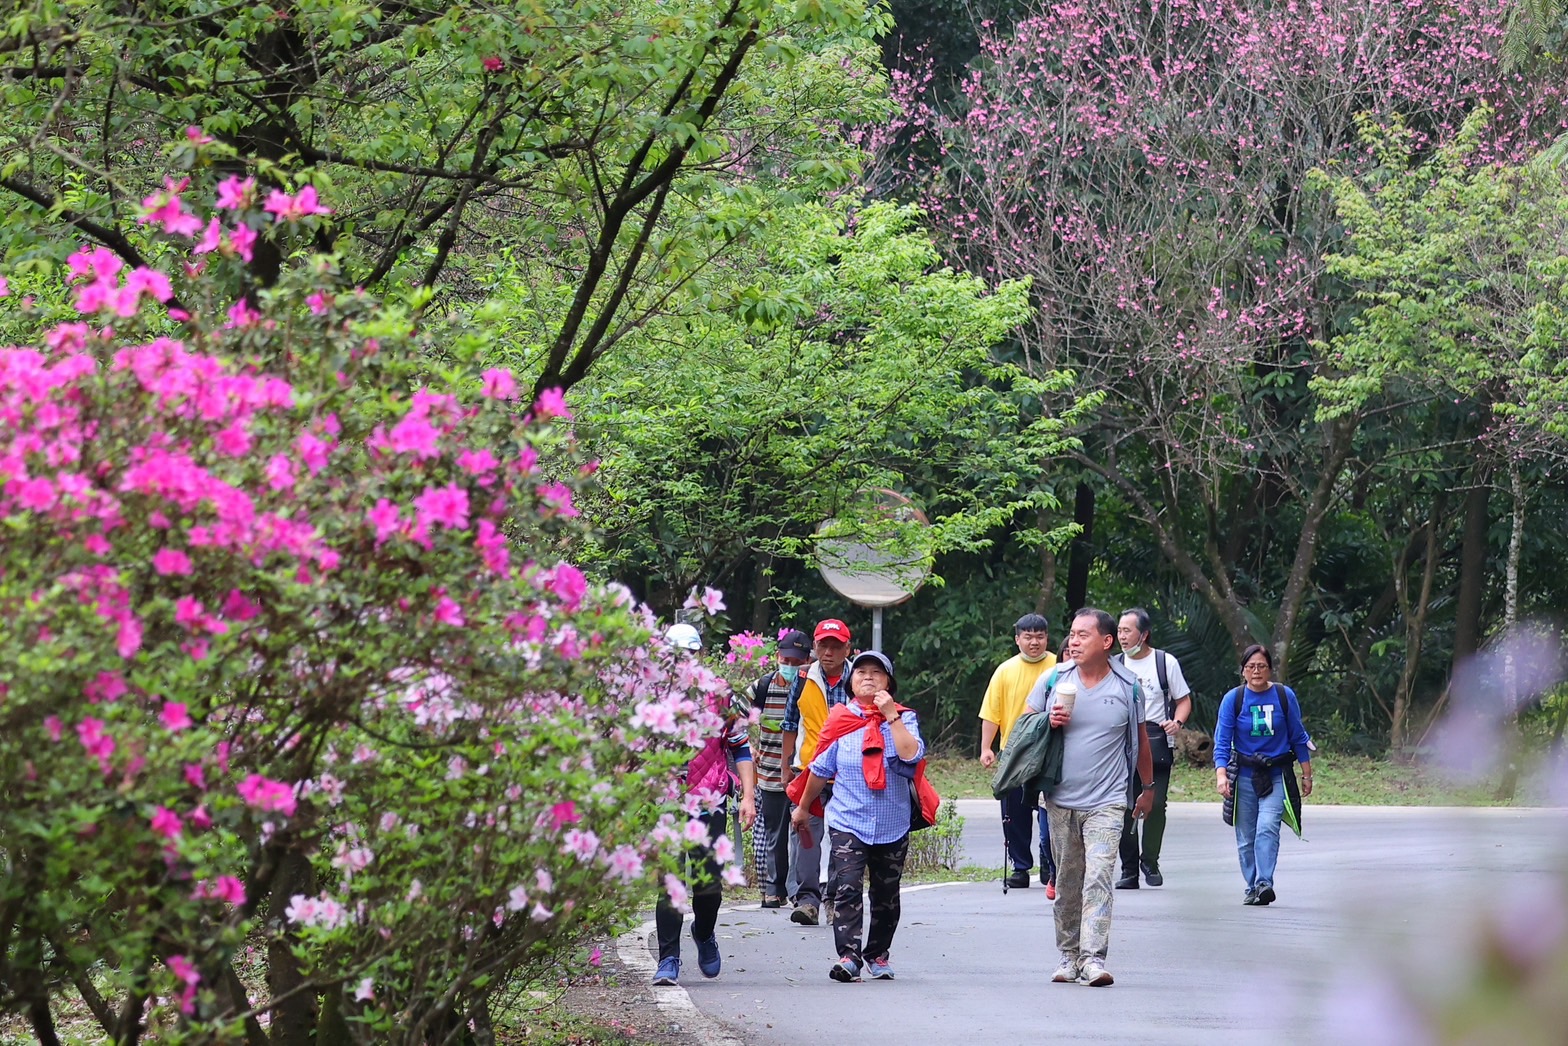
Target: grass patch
<point x="1339" y="780"/>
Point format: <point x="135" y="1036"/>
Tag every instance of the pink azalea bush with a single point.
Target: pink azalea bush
<point x="291" y="656"/>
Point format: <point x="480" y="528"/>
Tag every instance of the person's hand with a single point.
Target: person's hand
<point x="748" y="812"/>
<point x="1306" y="783"/>
<point x="1222" y="782"/>
<point x="1172" y="728"/>
<point x="1060" y="716"/>
<point x="886" y="705"/>
<point x="786" y="775"/>
<point x="798" y="822"/>
<point x="988" y="759"/>
<point x="1143" y="804"/>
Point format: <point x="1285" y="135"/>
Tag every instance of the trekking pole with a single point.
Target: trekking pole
<point x="1006" y="857"/>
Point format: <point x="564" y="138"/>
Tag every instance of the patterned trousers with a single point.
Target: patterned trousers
<point x="1084" y="843"/>
<point x="883" y="865"/>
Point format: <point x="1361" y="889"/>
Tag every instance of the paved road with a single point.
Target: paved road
<point x="1371" y="890"/>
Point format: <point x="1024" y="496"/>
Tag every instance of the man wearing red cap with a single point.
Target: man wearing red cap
<point x="820" y="688"/>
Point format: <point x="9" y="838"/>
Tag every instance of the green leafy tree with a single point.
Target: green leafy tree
<point x="571" y="133"/>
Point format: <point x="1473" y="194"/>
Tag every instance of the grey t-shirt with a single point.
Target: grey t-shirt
<point x="1098" y="745"/>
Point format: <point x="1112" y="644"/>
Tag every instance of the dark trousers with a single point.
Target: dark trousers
<point x="707" y="893"/>
<point x="882" y="865"/>
<point x="775" y="841"/>
<point x="1018" y="817"/>
<point x="1153" y="827"/>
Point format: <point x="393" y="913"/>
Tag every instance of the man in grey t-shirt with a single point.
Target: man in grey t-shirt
<point x="1103" y="742"/>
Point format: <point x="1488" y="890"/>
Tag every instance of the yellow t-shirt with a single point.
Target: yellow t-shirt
<point x="1010" y="685"/>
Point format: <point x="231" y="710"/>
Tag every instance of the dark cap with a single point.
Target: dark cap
<point x="794" y="644"/>
<point x="883" y="661"/>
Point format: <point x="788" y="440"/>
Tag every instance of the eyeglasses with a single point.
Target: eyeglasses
<point x="1257" y="666"/>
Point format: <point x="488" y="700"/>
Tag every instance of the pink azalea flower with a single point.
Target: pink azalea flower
<point x="288" y="208"/>
<point x="166" y="823"/>
<point x="184" y="972"/>
<point x="195" y="776"/>
<point x="280" y="472"/>
<point x="238" y="607"/>
<point x="414" y="434"/>
<point x="568" y="584"/>
<point x="211" y="238"/>
<point x="167" y="561"/>
<point x="366" y="991"/>
<point x="557" y="498"/>
<point x="235" y="194"/>
<point x="446" y="505"/>
<point x="242" y="241"/>
<point x="564" y="813"/>
<point x="384" y="517"/>
<point x="493" y="64"/>
<point x="499" y="384"/>
<point x="174" y="716"/>
<point x="449" y="613"/>
<point x="552" y="404"/>
<point x="261" y="793"/>
<point x="54" y="726"/>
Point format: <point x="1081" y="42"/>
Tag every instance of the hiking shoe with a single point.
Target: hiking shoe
<point x="805" y="914"/>
<point x="1265" y="893"/>
<point x="669" y="971"/>
<point x="881" y="969"/>
<point x="772" y="902"/>
<point x="827" y="911"/>
<point x="708" y="960"/>
<point x="1128" y="882"/>
<point x="1151" y="874"/>
<point x="1066" y="972"/>
<point x="846" y="970"/>
<point x="1018" y="880"/>
<point x="1094" y="974"/>
<point x="1250" y="897"/>
<point x="1050" y="890"/>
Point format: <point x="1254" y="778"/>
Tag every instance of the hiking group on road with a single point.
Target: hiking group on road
<point x="1086" y="750"/>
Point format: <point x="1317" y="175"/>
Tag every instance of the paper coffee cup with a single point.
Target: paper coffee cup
<point x="1066" y="694"/>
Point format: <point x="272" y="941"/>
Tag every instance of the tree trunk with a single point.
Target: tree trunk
<point x="1082" y="555"/>
<point x="1340" y="435"/>
<point x="1510" y="782"/>
<point x="1473" y="559"/>
<point x="1415" y="630"/>
<point x="294" y="1018"/>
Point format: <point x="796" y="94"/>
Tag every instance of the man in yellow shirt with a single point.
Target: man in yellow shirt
<point x="999" y="710"/>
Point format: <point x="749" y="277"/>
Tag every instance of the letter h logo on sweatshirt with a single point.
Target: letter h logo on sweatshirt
<point x="1262" y="720"/>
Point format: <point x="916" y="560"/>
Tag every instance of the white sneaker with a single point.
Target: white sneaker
<point x="1094" y="974"/>
<point x="1067" y="972"/>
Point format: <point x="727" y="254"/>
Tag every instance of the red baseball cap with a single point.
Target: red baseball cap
<point x="832" y="628"/>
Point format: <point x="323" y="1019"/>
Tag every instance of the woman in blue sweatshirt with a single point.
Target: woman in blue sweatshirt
<point x="1256" y="738"/>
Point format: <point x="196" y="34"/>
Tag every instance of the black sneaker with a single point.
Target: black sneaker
<point x="1018" y="880"/>
<point x="1128" y="882"/>
<point x="1250" y="897"/>
<point x="1151" y="874"/>
<point x="1265" y="893"/>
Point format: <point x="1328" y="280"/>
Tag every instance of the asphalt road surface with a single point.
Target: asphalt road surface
<point x="1372" y="894"/>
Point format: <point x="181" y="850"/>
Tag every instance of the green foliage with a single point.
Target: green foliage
<point x="1463" y="269"/>
<point x="842" y="359"/>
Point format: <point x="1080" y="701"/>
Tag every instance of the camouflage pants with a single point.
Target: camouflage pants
<point x="1084" y="844"/>
<point x="882" y="864"/>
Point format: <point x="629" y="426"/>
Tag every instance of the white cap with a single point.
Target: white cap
<point x="683" y="636"/>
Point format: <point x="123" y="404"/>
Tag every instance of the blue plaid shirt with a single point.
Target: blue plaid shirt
<point x="873" y="816"/>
